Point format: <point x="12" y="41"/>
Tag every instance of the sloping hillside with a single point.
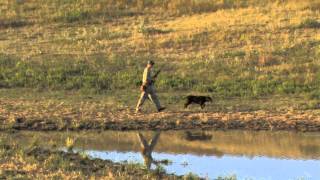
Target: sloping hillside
<point x="230" y="48"/>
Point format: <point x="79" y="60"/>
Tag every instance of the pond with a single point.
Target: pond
<point x="209" y="154"/>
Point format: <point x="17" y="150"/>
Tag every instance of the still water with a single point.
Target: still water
<point x="209" y="154"/>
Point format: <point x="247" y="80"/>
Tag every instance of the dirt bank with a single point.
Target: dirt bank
<point x="125" y="120"/>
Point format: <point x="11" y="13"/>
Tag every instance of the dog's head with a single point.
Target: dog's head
<point x="209" y="99"/>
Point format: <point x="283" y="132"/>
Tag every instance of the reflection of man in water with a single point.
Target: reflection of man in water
<point x="147" y="148"/>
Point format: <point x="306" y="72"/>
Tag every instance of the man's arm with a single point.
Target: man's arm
<point x="156" y="74"/>
<point x="154" y="77"/>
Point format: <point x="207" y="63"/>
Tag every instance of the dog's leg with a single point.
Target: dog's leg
<point x="203" y="105"/>
<point x="186" y="104"/>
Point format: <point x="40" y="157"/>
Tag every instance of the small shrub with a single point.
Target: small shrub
<point x="153" y="31"/>
<point x="150" y="30"/>
<point x="191" y="176"/>
<point x="55" y="162"/>
<point x="314" y="6"/>
<point x="70" y="143"/>
<point x="84" y="155"/>
<point x="15" y="23"/>
<point x="287" y="87"/>
<point x="234" y="54"/>
<point x="310" y="23"/>
<point x="4" y="149"/>
<point x="314" y="95"/>
<point x="159" y="170"/>
<point x="268" y="60"/>
<point x="75" y="16"/>
<point x="229" y="177"/>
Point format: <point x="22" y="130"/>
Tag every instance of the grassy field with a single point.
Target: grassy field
<point x="227" y="48"/>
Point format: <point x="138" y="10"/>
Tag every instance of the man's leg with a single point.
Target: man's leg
<point x="143" y="97"/>
<point x="154" y="98"/>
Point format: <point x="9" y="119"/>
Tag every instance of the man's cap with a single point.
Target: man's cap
<point x="151" y="62"/>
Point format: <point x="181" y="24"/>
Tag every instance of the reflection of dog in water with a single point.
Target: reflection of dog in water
<point x="197" y="136"/>
<point x="201" y="100"/>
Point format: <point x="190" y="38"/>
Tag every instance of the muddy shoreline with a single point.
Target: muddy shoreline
<point x="302" y="122"/>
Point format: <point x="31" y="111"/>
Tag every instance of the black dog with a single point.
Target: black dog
<point x="201" y="100"/>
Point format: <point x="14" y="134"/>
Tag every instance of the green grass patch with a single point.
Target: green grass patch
<point x="310" y="23"/>
<point x="223" y="77"/>
<point x="75" y="16"/>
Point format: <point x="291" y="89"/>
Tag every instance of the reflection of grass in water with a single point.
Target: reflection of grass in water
<point x="270" y="144"/>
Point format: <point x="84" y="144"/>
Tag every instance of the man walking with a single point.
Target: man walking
<point x="147" y="89"/>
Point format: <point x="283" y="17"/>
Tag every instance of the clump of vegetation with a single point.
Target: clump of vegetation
<point x="310" y="23"/>
<point x="191" y="176"/>
<point x="160" y="170"/>
<point x="13" y="23"/>
<point x="70" y="144"/>
<point x="75" y="16"/>
<point x="229" y="177"/>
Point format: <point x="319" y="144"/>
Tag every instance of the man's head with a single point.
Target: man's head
<point x="150" y="64"/>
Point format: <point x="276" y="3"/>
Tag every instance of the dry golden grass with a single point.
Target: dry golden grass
<point x="264" y="29"/>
